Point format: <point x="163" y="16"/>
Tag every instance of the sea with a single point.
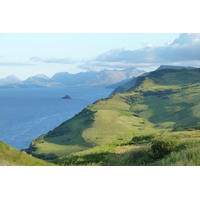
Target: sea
<point x="26" y="113"/>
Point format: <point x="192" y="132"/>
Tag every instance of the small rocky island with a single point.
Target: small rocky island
<point x="66" y="97"/>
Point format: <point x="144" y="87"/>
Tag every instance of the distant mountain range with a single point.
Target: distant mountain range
<point x="108" y="77"/>
<point x="34" y="81"/>
<point x="41" y="80"/>
<point x="119" y="80"/>
<point x="83" y="79"/>
<point x="73" y="79"/>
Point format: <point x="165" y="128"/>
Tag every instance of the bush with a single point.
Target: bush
<point x="44" y="156"/>
<point x="192" y="128"/>
<point x="188" y="144"/>
<point x="134" y="99"/>
<point x="162" y="147"/>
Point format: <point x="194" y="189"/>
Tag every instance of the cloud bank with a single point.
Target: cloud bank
<point x="184" y="48"/>
<point x="182" y="51"/>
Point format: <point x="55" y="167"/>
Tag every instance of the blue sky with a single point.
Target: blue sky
<point x="45" y="37"/>
<point x="28" y="54"/>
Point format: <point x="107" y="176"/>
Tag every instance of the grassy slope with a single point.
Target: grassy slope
<point x="12" y="157"/>
<point x="161" y="101"/>
<point x="125" y="87"/>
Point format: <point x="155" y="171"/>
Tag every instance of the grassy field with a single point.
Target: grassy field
<point x="185" y="152"/>
<point x="102" y="134"/>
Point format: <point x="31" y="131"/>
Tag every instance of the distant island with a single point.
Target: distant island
<point x="66" y="97"/>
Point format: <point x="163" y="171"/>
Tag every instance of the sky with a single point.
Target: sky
<point x="46" y="37"/>
<point x="29" y="54"/>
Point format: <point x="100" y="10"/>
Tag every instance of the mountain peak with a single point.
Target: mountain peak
<point x="10" y="80"/>
<point x="41" y="76"/>
<point x="108" y="77"/>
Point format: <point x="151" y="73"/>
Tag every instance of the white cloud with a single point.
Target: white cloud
<point x="184" y="48"/>
<point x="149" y="45"/>
<point x="92" y="68"/>
<point x="54" y="60"/>
<point x="187" y="39"/>
<point x="169" y="42"/>
<point x="36" y="59"/>
<point x="100" y="65"/>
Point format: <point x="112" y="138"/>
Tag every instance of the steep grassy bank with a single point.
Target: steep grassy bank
<point x="12" y="157"/>
<point x="104" y="132"/>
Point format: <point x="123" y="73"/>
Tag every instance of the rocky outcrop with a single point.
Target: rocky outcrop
<point x="66" y="97"/>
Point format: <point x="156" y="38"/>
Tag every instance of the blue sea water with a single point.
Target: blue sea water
<point x="27" y="113"/>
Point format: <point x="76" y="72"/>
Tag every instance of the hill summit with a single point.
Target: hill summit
<point x="173" y="67"/>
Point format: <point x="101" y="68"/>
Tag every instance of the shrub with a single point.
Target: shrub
<point x="82" y="159"/>
<point x="192" y="128"/>
<point x="44" y="156"/>
<point x="162" y="147"/>
<point x="189" y="157"/>
<point x="188" y="144"/>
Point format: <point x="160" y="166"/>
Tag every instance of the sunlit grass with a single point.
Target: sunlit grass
<point x="10" y="156"/>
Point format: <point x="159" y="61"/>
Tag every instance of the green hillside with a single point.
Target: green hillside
<point x="124" y="129"/>
<point x="125" y="87"/>
<point x="12" y="157"/>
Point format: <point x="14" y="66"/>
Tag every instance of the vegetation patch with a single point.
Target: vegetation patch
<point x="97" y="158"/>
<point x="189" y="157"/>
<point x="47" y="157"/>
<point x="162" y="147"/>
<point x="191" y="128"/>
